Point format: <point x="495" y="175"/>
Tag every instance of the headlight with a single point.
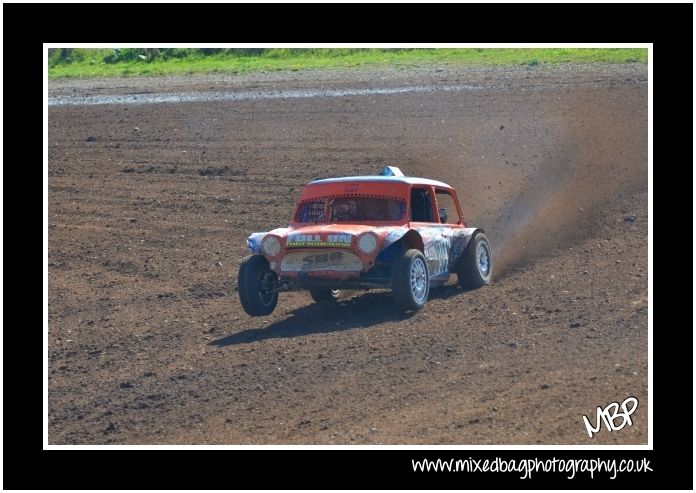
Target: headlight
<point x="270" y="246"/>
<point x="367" y="243"/>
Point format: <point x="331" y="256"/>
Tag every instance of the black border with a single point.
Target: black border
<point x="669" y="27"/>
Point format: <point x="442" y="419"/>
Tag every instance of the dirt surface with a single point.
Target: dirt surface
<point x="367" y="77"/>
<point x="150" y="206"/>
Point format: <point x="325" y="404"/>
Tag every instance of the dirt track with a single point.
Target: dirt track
<point x="150" y="205"/>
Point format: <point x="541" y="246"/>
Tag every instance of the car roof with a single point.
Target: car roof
<point x="411" y="180"/>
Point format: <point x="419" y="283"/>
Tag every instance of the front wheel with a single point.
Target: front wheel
<point x="256" y="285"/>
<point x="410" y="280"/>
<point x="320" y="295"/>
<point x="475" y="266"/>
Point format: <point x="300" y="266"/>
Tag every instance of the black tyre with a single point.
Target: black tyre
<point x="410" y="280"/>
<point x="255" y="286"/>
<point x="321" y="295"/>
<point x="475" y="266"/>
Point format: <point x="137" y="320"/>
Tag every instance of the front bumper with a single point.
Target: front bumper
<point x="312" y="281"/>
<point x="340" y="261"/>
<point x="322" y="263"/>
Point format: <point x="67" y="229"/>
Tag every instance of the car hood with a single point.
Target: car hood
<point x="336" y="235"/>
<point x="327" y="235"/>
<point x="330" y="229"/>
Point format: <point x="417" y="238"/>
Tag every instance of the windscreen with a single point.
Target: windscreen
<point x="350" y="209"/>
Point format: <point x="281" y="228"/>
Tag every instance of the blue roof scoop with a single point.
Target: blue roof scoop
<point x="391" y="171"/>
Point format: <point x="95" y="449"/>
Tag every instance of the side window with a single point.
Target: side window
<point x="421" y="206"/>
<point x="447" y="208"/>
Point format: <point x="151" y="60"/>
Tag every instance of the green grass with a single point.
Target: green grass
<point x="136" y="62"/>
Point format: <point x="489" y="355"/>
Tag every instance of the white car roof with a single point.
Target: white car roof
<point x="411" y="180"/>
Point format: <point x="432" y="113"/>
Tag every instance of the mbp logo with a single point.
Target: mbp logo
<point x="609" y="415"/>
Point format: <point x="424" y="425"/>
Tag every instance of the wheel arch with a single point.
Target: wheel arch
<point x="414" y="238"/>
<point x="460" y="242"/>
<point x="398" y="241"/>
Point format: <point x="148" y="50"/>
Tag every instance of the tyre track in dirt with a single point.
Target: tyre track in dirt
<point x="149" y="208"/>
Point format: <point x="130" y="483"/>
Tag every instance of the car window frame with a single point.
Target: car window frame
<point x="433" y="210"/>
<point x="453" y="194"/>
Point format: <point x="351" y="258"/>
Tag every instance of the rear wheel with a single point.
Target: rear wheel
<point x="476" y="263"/>
<point x="320" y="295"/>
<point x="410" y="280"/>
<point x="256" y="285"/>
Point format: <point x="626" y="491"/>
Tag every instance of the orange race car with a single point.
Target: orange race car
<point x="362" y="232"/>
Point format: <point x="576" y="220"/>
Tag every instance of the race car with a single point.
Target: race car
<point x="390" y="231"/>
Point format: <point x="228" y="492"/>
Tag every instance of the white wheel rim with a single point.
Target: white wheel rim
<point x="483" y="259"/>
<point x="419" y="280"/>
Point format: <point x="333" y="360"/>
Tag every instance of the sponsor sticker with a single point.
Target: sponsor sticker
<point x="341" y="261"/>
<point x="316" y="241"/>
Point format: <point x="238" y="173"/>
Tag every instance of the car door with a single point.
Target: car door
<point x="452" y="224"/>
<point x="436" y="236"/>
